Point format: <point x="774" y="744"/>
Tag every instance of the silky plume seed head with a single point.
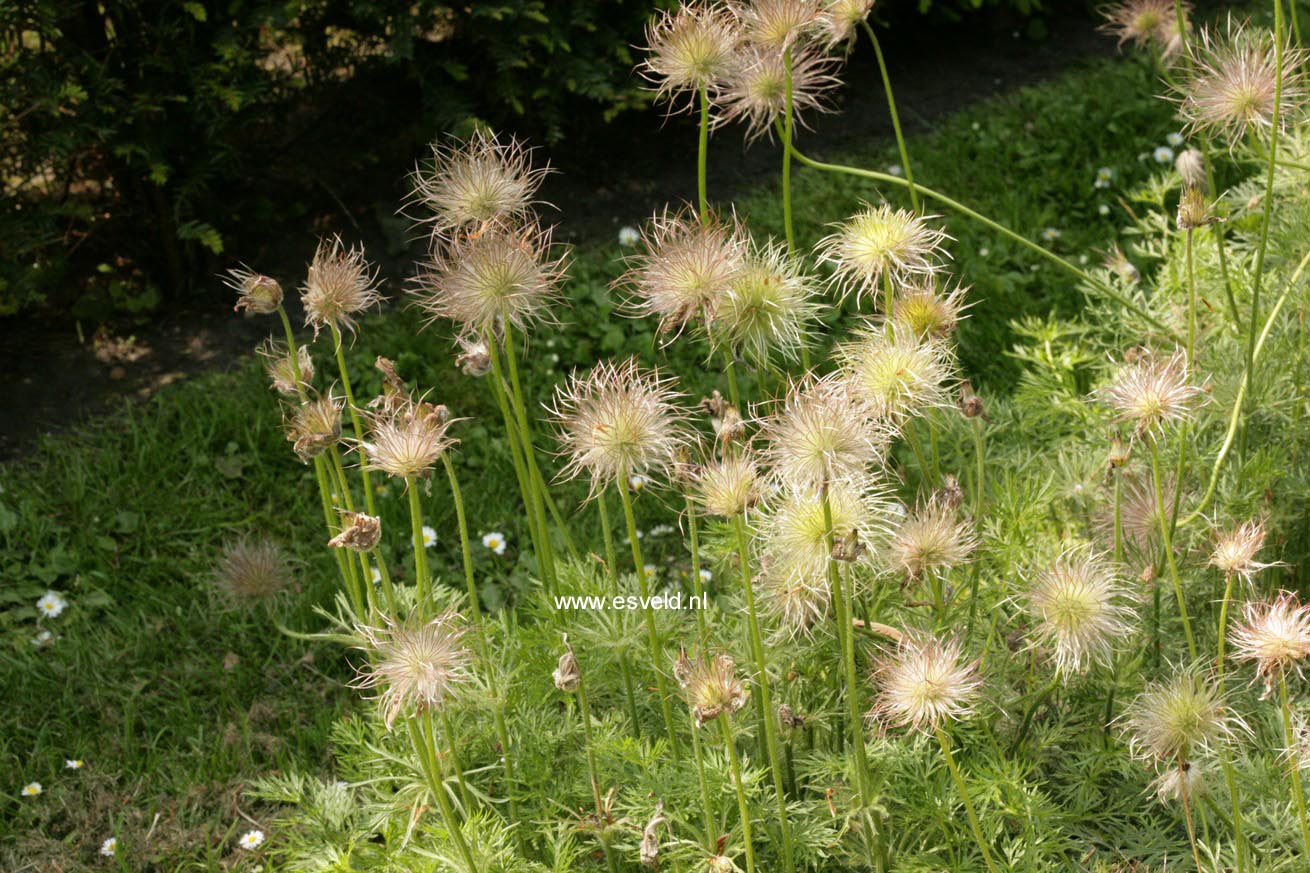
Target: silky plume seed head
<point x="728" y="486"/>
<point x="256" y="293"/>
<point x="777" y="24"/>
<point x="1153" y="392"/>
<point x="711" y="687"/>
<point x="755" y="92"/>
<point x="932" y="539"/>
<point x="685" y="269"/>
<point x="895" y="373"/>
<point x="315" y="426"/>
<point x="1174" y="719"/>
<point x="475" y="182"/>
<point x="1194" y="209"/>
<point x="1235" y="551"/>
<point x="927" y="312"/>
<point x="1145" y="23"/>
<point x="252" y="569"/>
<point x="619" y="420"/>
<point x="418" y="668"/>
<point x="793" y="603"/>
<point x="407" y="438"/>
<point x="281" y="369"/>
<point x="794" y="531"/>
<point x="840" y="18"/>
<point x="1080" y="609"/>
<point x="821" y="434"/>
<point x="689" y="49"/>
<point x="359" y="532"/>
<point x="1179" y="782"/>
<point x="339" y="285"/>
<point x="924" y="683"/>
<point x="1275" y="636"/>
<point x="770" y="308"/>
<point x="880" y="241"/>
<point x="1190" y="165"/>
<point x="502" y="275"/>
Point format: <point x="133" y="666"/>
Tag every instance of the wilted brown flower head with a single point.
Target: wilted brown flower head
<point x="314" y="426"/>
<point x="690" y="48"/>
<point x="686" y="268"/>
<point x="769" y="310"/>
<point x="338" y="286"/>
<point x="479" y="181"/>
<point x="924" y="682"/>
<point x="728" y="486"/>
<point x="895" y="373"/>
<point x="416" y="668"/>
<point x="840" y="18"/>
<point x="711" y="687"/>
<point x="1235" y="550"/>
<point x="252" y="569"/>
<point x="1231" y="88"/>
<point x="777" y="24"/>
<point x="1174" y="719"/>
<point x="256" y="293"/>
<point x="359" y="532"/>
<point x="932" y="539"/>
<point x="1275" y="636"/>
<point x="567" y="674"/>
<point x="1079" y="605"/>
<point x="877" y="242"/>
<point x="755" y="91"/>
<point x="1153" y="392"/>
<point x="407" y="439"/>
<point x="281" y="368"/>
<point x="1146" y="22"/>
<point x="928" y="312"/>
<point x="724" y="418"/>
<point x="501" y="275"/>
<point x="1194" y="209"/>
<point x="649" y="852"/>
<point x="821" y="434"/>
<point x="618" y="421"/>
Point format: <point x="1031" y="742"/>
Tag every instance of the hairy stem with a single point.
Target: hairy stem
<point x="896" y="117"/>
<point x="964" y="796"/>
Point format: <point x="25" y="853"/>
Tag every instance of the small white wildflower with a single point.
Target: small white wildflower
<point x="895" y="170"/>
<point x="251" y="840"/>
<point x="43" y="638"/>
<point x="976" y="126"/>
<point x="662" y="530"/>
<point x="1051" y="234"/>
<point x="109" y="846"/>
<point x="51" y="604"/>
<point x="1163" y="155"/>
<point x="73" y="764"/>
<point x="984" y="252"/>
<point x="629" y="236"/>
<point x="705" y="575"/>
<point x="1103" y="209"/>
<point x="1082" y="259"/>
<point x="637" y="483"/>
<point x="32" y="789"/>
<point x="650" y="571"/>
<point x="377" y="575"/>
<point x="429" y="537"/>
<point x="1104" y="175"/>
<point x="1174" y="139"/>
<point x="495" y="541"/>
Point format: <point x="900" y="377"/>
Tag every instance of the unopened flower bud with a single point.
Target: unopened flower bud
<point x="567" y="675"/>
<point x="790" y="718"/>
<point x="970" y="403"/>
<point x="950" y="494"/>
<point x="359" y="532"/>
<point x="848" y="547"/>
<point x="1191" y="166"/>
<point x="1120" y="451"/>
<point x="258" y="294"/>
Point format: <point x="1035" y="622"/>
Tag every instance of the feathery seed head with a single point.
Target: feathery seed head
<point x="686" y="269"/>
<point x="821" y="434"/>
<point x="769" y="308"/>
<point x="755" y="92"/>
<point x="501" y="275"/>
<point x="711" y="687"/>
<point x="476" y="182"/>
<point x="252" y="569"/>
<point x="690" y="48"/>
<point x="314" y="426"/>
<point x="416" y="668"/>
<point x="1172" y="720"/>
<point x="929" y="313"/>
<point x="1151" y="392"/>
<point x="1176" y="782"/>
<point x="925" y="683"/>
<point x="359" y="532"/>
<point x="617" y="421"/>
<point x="338" y="286"/>
<point x="1078" y="604"/>
<point x="728" y="486"/>
<point x="1232" y="88"/>
<point x="1143" y="22"/>
<point x="795" y="532"/>
<point x="932" y="539"/>
<point x="407" y="438"/>
<point x="877" y="242"/>
<point x="794" y="602"/>
<point x="474" y="357"/>
<point x="777" y="24"/>
<point x="840" y="18"/>
<point x="281" y="369"/>
<point x="896" y="373"/>
<point x="256" y="293"/>
<point x="1190" y="165"/>
<point x="1275" y="636"/>
<point x="1193" y="209"/>
<point x="1235" y="550"/>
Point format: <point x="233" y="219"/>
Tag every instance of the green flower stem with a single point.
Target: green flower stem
<point x="421" y="579"/>
<point x="766" y="694"/>
<point x="465" y="548"/>
<point x="1230" y="777"/>
<point x="788" y="128"/>
<point x="1166" y="535"/>
<point x="354" y="414"/>
<point x="702" y="157"/>
<point x="698" y="587"/>
<point x="964" y="796"/>
<point x="424" y="739"/>
<point x="592" y="771"/>
<point x="1191" y="302"/>
<point x="912" y="437"/>
<point x="1118" y="516"/>
<point x="896" y="118"/>
<point x="1298" y="790"/>
<point x="365" y="578"/>
<point x="612" y="571"/>
<point x="530" y="457"/>
<point x="725" y="721"/>
<point x="734" y="392"/>
<point x="1102" y="287"/>
<point x="653" y="637"/>
<point x="707" y="806"/>
<point x="464" y="795"/>
<point x="1033" y="705"/>
<point x="1187" y="811"/>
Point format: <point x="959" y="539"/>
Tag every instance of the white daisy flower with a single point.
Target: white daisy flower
<point x="377" y="575"/>
<point x="51" y="604"/>
<point x="896" y="170"/>
<point x="1051" y="234"/>
<point x="650" y="570"/>
<point x="976" y="125"/>
<point x="1104" y="175"/>
<point x="628" y="236"/>
<point x="495" y="541"/>
<point x="251" y="840"/>
<point x="43" y="638"/>
<point x="1163" y="155"/>
<point x="984" y="252"/>
<point x="429" y="537"/>
<point x="705" y="575"/>
<point x="32" y="789"/>
<point x="73" y="764"/>
<point x="662" y="530"/>
<point x="1103" y="209"/>
<point x="637" y="482"/>
<point x="1175" y="139"/>
<point x="109" y="846"/>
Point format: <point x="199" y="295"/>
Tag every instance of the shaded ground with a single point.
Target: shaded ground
<point x="61" y="374"/>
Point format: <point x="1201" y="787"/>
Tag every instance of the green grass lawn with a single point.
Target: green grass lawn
<point x="174" y="698"/>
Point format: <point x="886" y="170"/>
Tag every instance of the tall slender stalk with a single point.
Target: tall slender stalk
<point x="896" y="117"/>
<point x="421" y="579"/>
<point x="1166" y="535"/>
<point x="697" y="584"/>
<point x="355" y="422"/>
<point x="592" y="771"/>
<point x="964" y="796"/>
<point x="702" y="157"/>
<point x="612" y="570"/>
<point x="423" y="737"/>
<point x="1298" y="790"/>
<point x="788" y="129"/>
<point x="1183" y="794"/>
<point x="535" y="480"/>
<point x="707" y="805"/>
<point x="725" y="721"/>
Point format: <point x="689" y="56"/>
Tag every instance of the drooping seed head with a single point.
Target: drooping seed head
<point x="252" y="569"/>
<point x="794" y="528"/>
<point x="924" y="682"/>
<point x="1176" y="718"/>
<point x="690" y="48"/>
<point x="478" y="181"/>
<point x="416" y="668"/>
<point x="281" y="369"/>
<point x="896" y="373"/>
<point x="769" y="310"/>
<point x="502" y="275"/>
<point x="932" y="539"/>
<point x="474" y="357"/>
<point x="567" y="675"/>
<point x="359" y="532"/>
<point x="840" y="18"/>
<point x="1175" y="782"/>
<point x="685" y="270"/>
<point x="777" y="24"/>
<point x="1079" y="605"/>
<point x="755" y="91"/>
<point x="1235" y="550"/>
<point x="314" y="426"/>
<point x="1152" y="392"/>
<point x="1232" y="89"/>
<point x="406" y="438"/>
<point x="728" y="486"/>
<point x="1145" y="23"/>
<point x="711" y="687"/>
<point x="926" y="312"/>
<point x="339" y="285"/>
<point x="617" y="421"/>
<point x="877" y="242"/>
<point x="1275" y="636"/>
<point x="256" y="293"/>
<point x="821" y="434"/>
